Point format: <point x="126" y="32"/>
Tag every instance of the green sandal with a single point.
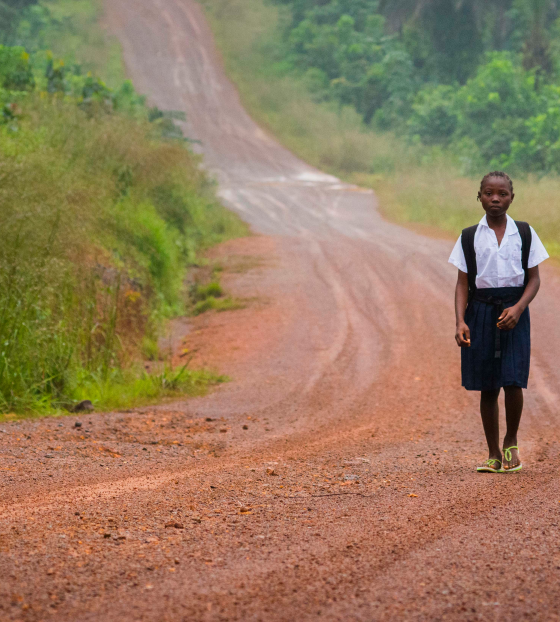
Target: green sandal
<point x="489" y="467"/>
<point x="508" y="456"/>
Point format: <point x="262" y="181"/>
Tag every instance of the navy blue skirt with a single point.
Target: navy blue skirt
<point x="482" y="369"/>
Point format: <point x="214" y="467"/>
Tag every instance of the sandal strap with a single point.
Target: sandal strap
<point x="507" y="452"/>
<point x="491" y="460"/>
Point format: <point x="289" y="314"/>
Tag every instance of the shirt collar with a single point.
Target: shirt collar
<point x="511" y="227"/>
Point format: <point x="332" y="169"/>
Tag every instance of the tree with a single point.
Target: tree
<point x="10" y="14"/>
<point x="534" y="16"/>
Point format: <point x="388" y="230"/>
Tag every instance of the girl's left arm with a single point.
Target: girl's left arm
<point x="510" y="317"/>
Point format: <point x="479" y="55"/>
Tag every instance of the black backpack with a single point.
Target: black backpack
<point x="467" y="241"/>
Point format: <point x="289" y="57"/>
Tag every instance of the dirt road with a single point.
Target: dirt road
<point x="333" y="478"/>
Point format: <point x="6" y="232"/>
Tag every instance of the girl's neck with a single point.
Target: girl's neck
<point x="496" y="222"/>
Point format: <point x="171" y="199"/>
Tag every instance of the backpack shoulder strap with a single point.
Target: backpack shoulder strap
<point x="467" y="241"/>
<point x="526" y="241"/>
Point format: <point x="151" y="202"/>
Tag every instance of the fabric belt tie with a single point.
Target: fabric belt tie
<point x="499" y="305"/>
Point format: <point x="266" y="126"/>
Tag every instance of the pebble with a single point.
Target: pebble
<point x="174" y="524"/>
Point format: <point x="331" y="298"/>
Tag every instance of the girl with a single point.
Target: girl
<point x="498" y="263"/>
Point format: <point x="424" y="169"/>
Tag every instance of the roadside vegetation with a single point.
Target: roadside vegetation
<point x="211" y="296"/>
<point x="104" y="207"/>
<point x="415" y="99"/>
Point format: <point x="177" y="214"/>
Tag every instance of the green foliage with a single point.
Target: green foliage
<point x="202" y="292"/>
<point x="540" y="151"/>
<point x="450" y="33"/>
<point x="434" y="118"/>
<point x="351" y="56"/>
<point x="210" y="297"/>
<point x="217" y="304"/>
<point x="15" y="69"/>
<point x="132" y="387"/>
<point x="101" y="214"/>
<point x="497" y="119"/>
<point x="494" y="105"/>
<point x="72" y="30"/>
<point x="10" y="15"/>
<point x="476" y="77"/>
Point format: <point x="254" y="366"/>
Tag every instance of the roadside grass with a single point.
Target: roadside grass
<point x="134" y="387"/>
<point x="101" y="218"/>
<point x="416" y="185"/>
<point x="207" y="294"/>
<point x="123" y="389"/>
<point x="211" y="303"/>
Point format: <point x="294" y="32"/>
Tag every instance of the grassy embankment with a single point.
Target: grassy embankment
<point x="101" y="215"/>
<point x="417" y="186"/>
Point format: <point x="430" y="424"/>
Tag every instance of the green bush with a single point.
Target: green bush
<point x="434" y="118"/>
<point x="540" y="152"/>
<point x="16" y="73"/>
<point x="494" y="105"/>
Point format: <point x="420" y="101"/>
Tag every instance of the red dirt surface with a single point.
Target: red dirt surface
<point x="333" y="478"/>
<point x="225" y="341"/>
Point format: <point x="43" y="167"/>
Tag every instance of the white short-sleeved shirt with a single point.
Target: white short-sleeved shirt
<point x="499" y="266"/>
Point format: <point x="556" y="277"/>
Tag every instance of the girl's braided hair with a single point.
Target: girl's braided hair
<point x="497" y="174"/>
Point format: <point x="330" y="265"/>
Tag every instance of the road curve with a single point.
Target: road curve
<point x="370" y="509"/>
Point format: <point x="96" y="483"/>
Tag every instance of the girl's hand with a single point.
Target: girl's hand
<point x="509" y="318"/>
<point x="463" y="335"/>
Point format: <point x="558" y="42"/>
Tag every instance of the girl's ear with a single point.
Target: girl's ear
<point x="478" y="197"/>
<point x="512" y="197"/>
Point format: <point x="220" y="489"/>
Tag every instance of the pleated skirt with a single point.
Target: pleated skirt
<point x="481" y="370"/>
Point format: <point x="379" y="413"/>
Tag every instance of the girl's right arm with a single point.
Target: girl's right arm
<point x="462" y="332"/>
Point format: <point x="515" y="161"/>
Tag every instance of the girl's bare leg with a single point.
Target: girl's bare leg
<point x="490" y="420"/>
<point x="514" y="410"/>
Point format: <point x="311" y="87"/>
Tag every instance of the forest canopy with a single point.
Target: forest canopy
<point x="482" y="77"/>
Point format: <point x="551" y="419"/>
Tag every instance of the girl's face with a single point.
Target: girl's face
<point x="496" y="197"/>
